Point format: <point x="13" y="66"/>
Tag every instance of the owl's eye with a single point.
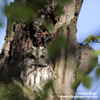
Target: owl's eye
<point x="33" y="57"/>
<point x="42" y="56"/>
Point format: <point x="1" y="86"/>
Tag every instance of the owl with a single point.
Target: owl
<point x="36" y="70"/>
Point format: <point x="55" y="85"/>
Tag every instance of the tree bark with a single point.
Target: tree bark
<point x="76" y="59"/>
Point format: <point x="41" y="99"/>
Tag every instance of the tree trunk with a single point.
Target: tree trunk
<point x="19" y="43"/>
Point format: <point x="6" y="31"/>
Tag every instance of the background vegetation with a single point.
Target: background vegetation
<point x="21" y="11"/>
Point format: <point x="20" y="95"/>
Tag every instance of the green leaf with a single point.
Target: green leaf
<point x="98" y="37"/>
<point x="91" y="37"/>
<point x="62" y="2"/>
<point x="43" y="95"/>
<point x="59" y="11"/>
<point x="9" y="91"/>
<point x="87" y="40"/>
<point x="48" y="25"/>
<point x="19" y="12"/>
<point x="98" y="72"/>
<point x="55" y="48"/>
<point x="82" y="78"/>
<point x="87" y="81"/>
<point x="96" y="52"/>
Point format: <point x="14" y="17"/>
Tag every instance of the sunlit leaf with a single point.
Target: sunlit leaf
<point x="87" y="40"/>
<point x="96" y="52"/>
<point x="98" y="37"/>
<point x="96" y="40"/>
<point x="92" y="38"/>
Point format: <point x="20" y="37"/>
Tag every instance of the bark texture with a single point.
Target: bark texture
<point x="18" y="49"/>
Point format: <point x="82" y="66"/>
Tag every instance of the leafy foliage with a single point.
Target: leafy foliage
<point x="12" y="91"/>
<point x="82" y="78"/>
<point x="62" y="2"/>
<point x="59" y="11"/>
<point x="55" y="48"/>
<point x="96" y="52"/>
<point x="37" y="4"/>
<point x="93" y="38"/>
<point x="43" y="95"/>
<point x="19" y="10"/>
<point x="28" y="12"/>
<point x="92" y="64"/>
<point x="48" y="25"/>
<point x="16" y="90"/>
<point x="98" y="72"/>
